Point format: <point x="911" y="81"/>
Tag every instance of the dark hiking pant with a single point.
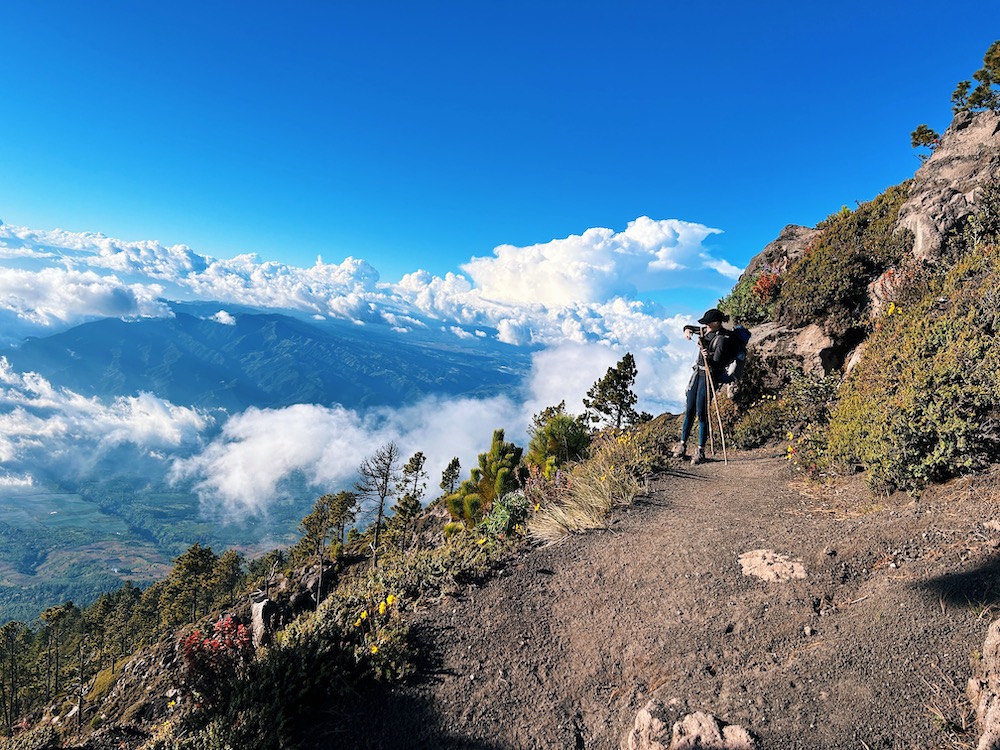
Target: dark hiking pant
<point x="696" y="406"/>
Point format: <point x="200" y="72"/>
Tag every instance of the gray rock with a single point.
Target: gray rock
<point x="945" y="187"/>
<point x="983" y="691"/>
<point x="788" y="247"/>
<point x="814" y="350"/>
<point x="265" y="619"/>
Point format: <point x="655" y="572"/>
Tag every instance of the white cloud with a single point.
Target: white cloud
<point x="55" y="296"/>
<point x="9" y="481"/>
<point x="241" y="471"/>
<point x="577" y="299"/>
<point x="34" y="415"/>
<point x="594" y="267"/>
<point x="224" y="318"/>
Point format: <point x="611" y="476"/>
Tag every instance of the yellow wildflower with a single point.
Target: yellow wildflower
<point x="374" y="649"/>
<point x="391" y="599"/>
<point x="364" y="614"/>
<point x="482" y="541"/>
<point x="381" y="608"/>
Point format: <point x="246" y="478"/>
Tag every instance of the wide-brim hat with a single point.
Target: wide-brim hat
<point x="713" y="316"/>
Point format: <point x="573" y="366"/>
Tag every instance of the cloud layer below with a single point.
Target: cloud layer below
<point x="579" y="301"/>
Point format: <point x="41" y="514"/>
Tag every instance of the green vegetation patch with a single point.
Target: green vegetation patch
<point x="828" y="285"/>
<point x="923" y="404"/>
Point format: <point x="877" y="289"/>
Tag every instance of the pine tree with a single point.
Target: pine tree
<point x="449" y="477"/>
<point x="556" y="439"/>
<point x="379" y="475"/>
<point x="611" y="398"/>
<point x="500" y="471"/>
<point x="410" y="505"/>
<point x="188" y="587"/>
<point x="983" y="96"/>
<point x="318" y="529"/>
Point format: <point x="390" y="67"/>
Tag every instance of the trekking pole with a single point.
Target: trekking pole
<point x="708" y="393"/>
<point x="718" y="411"/>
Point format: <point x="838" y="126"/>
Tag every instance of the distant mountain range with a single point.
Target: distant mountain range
<point x="267" y="360"/>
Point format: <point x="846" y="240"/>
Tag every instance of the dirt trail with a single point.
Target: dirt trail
<point x="567" y="645"/>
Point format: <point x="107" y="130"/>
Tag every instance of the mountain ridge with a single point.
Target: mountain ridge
<point x="262" y="359"/>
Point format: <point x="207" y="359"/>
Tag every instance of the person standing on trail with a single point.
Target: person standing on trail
<point x="711" y="343"/>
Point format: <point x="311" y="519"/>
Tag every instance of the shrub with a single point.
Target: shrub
<point x="923" y="403"/>
<point x="828" y="285"/>
<point x="752" y="299"/>
<point x="798" y="401"/>
<point x="507" y="515"/>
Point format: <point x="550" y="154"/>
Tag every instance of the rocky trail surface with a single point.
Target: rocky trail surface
<point x="812" y="617"/>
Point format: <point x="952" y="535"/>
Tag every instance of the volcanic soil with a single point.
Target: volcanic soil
<point x="855" y="629"/>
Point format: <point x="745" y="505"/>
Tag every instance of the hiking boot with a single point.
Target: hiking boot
<point x="698" y="458"/>
<point x="680" y="451"/>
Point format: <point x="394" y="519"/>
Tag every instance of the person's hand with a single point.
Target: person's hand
<point x="687" y="334"/>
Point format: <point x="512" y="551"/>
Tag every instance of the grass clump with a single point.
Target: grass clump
<point x="582" y="497"/>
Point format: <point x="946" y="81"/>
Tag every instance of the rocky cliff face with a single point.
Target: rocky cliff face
<point x="945" y="188"/>
<point x="944" y="191"/>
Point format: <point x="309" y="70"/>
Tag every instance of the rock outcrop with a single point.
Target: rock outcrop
<point x="788" y="247"/>
<point x="983" y="691"/>
<point x="810" y="348"/>
<point x="945" y="187"/>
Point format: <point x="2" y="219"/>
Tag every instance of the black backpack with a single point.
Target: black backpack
<point x="734" y="349"/>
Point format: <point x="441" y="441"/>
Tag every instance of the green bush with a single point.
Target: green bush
<point x="923" y="403"/>
<point x="753" y="298"/>
<point x="828" y="285"/>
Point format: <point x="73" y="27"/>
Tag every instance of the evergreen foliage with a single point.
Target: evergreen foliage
<point x="449" y="477"/>
<point x="499" y="472"/>
<point x="611" y="399"/>
<point x="924" y="137"/>
<point x="922" y="404"/>
<point x="557" y="438"/>
<point x="983" y="95"/>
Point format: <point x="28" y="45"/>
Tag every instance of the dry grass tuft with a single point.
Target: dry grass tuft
<point x="613" y="475"/>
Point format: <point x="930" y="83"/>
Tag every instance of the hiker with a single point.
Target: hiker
<point x="712" y="341"/>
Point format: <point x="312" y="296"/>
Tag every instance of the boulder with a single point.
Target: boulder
<point x="265" y="620"/>
<point x="945" y="187"/>
<point x="810" y="347"/>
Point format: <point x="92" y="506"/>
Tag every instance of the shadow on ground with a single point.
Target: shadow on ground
<point x="381" y="717"/>
<point x="977" y="587"/>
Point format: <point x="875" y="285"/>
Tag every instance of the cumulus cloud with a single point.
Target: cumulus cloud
<point x="242" y="470"/>
<point x="577" y="300"/>
<point x="56" y="296"/>
<point x="582" y="288"/>
<point x="223" y="318"/>
<point x="594" y="267"/>
<point x="66" y="426"/>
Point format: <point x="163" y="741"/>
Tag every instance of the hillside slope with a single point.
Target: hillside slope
<point x="564" y="648"/>
<point x="267" y="360"/>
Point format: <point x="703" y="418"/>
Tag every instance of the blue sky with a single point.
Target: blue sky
<point x="420" y="135"/>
